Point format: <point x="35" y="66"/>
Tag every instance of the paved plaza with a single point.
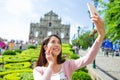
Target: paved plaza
<point x="107" y="68"/>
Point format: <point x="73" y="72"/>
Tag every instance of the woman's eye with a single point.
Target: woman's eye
<point x="55" y="42"/>
<point x="58" y="42"/>
<point x="52" y="41"/>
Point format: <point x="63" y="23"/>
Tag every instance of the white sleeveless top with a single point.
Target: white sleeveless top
<point x="59" y="76"/>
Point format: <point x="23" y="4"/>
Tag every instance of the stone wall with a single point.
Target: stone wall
<point x="49" y="24"/>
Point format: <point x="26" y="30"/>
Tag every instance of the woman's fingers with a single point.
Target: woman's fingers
<point x="48" y="51"/>
<point x="95" y="18"/>
<point x="99" y="24"/>
<point x="49" y="55"/>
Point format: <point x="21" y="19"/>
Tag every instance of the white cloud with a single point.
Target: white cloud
<point x="18" y="7"/>
<point x="15" y="19"/>
<point x="18" y="14"/>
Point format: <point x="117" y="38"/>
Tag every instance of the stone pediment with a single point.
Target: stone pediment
<point x="51" y="13"/>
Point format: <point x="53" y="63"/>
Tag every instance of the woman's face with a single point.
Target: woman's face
<point x="54" y="46"/>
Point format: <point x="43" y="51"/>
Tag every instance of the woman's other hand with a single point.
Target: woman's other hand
<point x="49" y="56"/>
<point x="99" y="23"/>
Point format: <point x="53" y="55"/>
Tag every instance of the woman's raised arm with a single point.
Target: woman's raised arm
<point x="89" y="57"/>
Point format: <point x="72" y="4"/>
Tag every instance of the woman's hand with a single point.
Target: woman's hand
<point x="99" y="25"/>
<point x="49" y="57"/>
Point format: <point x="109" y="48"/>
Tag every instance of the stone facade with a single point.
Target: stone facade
<point x="49" y="24"/>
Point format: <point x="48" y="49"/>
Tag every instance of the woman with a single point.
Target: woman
<point x="50" y="65"/>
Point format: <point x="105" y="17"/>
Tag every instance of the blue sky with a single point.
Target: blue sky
<point x="16" y="15"/>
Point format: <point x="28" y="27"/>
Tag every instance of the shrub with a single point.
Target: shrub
<point x="13" y="76"/>
<point x="10" y="71"/>
<point x="18" y="51"/>
<point x="80" y="75"/>
<point x="19" y="76"/>
<point x="1" y="60"/>
<point x="2" y="79"/>
<point x="9" y="52"/>
<point x="18" y="65"/>
<point x="72" y="50"/>
<point x="84" y="69"/>
<point x="74" y="56"/>
<point x="65" y="45"/>
<point x="32" y="47"/>
<point x="31" y="53"/>
<point x="16" y="58"/>
<point x="26" y="76"/>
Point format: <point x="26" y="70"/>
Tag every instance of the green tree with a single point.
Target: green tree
<point x="84" y="40"/>
<point x="112" y="19"/>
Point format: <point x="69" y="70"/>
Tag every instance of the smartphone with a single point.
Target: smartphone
<point x="92" y="9"/>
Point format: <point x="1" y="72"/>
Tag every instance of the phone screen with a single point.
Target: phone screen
<point x="91" y="8"/>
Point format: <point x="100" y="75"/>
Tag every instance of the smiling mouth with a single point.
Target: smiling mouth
<point x="56" y="49"/>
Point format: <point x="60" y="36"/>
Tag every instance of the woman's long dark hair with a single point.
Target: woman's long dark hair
<point x="42" y="59"/>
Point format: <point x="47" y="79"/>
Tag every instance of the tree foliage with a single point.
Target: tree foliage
<point x="84" y="40"/>
<point x="111" y="12"/>
<point x="112" y="19"/>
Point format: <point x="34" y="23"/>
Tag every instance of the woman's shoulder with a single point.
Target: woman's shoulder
<point x="68" y="62"/>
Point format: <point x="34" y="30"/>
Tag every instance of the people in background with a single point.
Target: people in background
<point x="11" y="45"/>
<point x="116" y="48"/>
<point x="107" y="46"/>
